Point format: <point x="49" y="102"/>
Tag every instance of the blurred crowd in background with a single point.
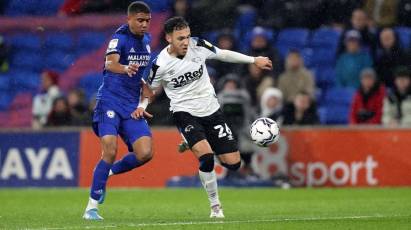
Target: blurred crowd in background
<point x="335" y="61"/>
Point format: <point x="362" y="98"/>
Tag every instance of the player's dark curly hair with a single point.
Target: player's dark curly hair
<point x="175" y="23"/>
<point x="138" y="7"/>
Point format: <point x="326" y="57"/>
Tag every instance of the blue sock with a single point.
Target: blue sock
<point x="100" y="176"/>
<point x="125" y="164"/>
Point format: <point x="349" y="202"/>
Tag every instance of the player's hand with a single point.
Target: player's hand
<point x="131" y="69"/>
<point x="263" y="63"/>
<point x="140" y="113"/>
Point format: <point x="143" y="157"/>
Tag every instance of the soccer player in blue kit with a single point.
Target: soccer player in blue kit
<point x="120" y="108"/>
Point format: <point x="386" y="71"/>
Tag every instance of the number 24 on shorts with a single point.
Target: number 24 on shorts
<point x="224" y="131"/>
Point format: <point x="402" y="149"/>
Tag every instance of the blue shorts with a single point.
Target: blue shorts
<point x="109" y="122"/>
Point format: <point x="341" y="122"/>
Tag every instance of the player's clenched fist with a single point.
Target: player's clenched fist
<point x="263" y="63"/>
<point x="141" y="113"/>
<point x="131" y="69"/>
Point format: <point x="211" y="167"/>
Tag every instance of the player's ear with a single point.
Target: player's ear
<point x="168" y="38"/>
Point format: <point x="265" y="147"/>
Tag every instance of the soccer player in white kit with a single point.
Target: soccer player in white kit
<point x="180" y="69"/>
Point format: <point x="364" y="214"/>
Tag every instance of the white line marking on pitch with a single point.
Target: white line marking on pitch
<point x="220" y="222"/>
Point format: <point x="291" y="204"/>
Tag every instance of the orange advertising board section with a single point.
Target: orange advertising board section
<point x="166" y="162"/>
<point x="349" y="157"/>
<point x="311" y="157"/>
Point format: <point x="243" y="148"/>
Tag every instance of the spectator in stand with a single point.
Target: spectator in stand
<point x="42" y="102"/>
<point x="260" y="46"/>
<point x="235" y="103"/>
<point x="338" y="12"/>
<point x="368" y="100"/>
<point x="397" y="105"/>
<point x="360" y="23"/>
<point x="60" y="113"/>
<point x="389" y="56"/>
<point x="271" y="104"/>
<point x="301" y="112"/>
<point x="183" y="9"/>
<point x="71" y="7"/>
<point x="256" y="82"/>
<point x="4" y="55"/>
<point x="296" y="78"/>
<point x="382" y="12"/>
<point x="78" y="108"/>
<point x="352" y="61"/>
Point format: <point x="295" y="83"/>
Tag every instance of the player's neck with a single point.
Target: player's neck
<point x="135" y="33"/>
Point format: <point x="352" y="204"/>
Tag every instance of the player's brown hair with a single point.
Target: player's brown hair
<point x="175" y="23"/>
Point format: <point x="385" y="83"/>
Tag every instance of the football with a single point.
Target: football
<point x="264" y="132"/>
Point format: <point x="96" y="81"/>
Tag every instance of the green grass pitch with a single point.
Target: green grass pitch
<point x="388" y="208"/>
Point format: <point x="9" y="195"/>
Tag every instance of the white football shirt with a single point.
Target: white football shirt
<point x="186" y="81"/>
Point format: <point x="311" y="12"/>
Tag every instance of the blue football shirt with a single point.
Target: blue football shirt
<point x="119" y="91"/>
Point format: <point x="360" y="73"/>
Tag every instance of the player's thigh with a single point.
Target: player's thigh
<point x="131" y="131"/>
<point x="105" y="125"/>
<point x="200" y="148"/>
<point x="230" y="158"/>
<point x="219" y="134"/>
<point x="193" y="133"/>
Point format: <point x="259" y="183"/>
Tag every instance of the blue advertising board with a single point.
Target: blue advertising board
<point x="43" y="159"/>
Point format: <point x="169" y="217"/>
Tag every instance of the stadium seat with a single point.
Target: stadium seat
<point x="404" y="34"/>
<point x="40" y="8"/>
<point x="291" y="39"/>
<point x="21" y="101"/>
<point x="27" y="61"/>
<point x="334" y="114"/>
<point x="339" y="96"/>
<point x="26" y="42"/>
<point x="25" y="81"/>
<point x="336" y="106"/>
<point x="88" y="41"/>
<point x="211" y="36"/>
<point x="5" y="99"/>
<point x="323" y="57"/>
<point x="58" y="60"/>
<point x="324" y="77"/>
<point x="58" y="41"/>
<point x="325" y="38"/>
<point x="47" y="7"/>
<point x="159" y="5"/>
<point x="4" y="82"/>
<point x="90" y="84"/>
<point x="245" y="22"/>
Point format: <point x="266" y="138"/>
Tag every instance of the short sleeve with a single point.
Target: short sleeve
<point x="209" y="49"/>
<point x="152" y="74"/>
<point x="115" y="45"/>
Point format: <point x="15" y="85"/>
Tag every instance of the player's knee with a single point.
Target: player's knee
<point x="232" y="167"/>
<point x="109" y="152"/>
<point x="206" y="162"/>
<point x="145" y="155"/>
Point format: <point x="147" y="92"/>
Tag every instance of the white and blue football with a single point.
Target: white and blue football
<point x="264" y="132"/>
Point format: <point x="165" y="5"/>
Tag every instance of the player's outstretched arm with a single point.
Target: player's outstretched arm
<point x="235" y="57"/>
<point x="112" y="64"/>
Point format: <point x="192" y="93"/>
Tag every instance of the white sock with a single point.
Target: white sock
<point x="209" y="181"/>
<point x="110" y="173"/>
<point x="92" y="204"/>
